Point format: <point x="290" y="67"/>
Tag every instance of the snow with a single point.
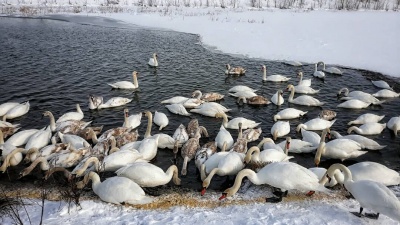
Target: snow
<point x="358" y="39"/>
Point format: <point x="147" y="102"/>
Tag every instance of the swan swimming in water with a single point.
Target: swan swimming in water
<point x="127" y="84"/>
<point x="153" y="61"/>
<point x="96" y="102"/>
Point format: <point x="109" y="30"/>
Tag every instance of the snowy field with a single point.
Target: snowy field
<point x="367" y="39"/>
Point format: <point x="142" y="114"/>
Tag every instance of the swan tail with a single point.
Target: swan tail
<point x="287" y="158"/>
<point x="358" y="153"/>
<point x="143" y="200"/>
<point x="378" y="102"/>
<point x="376" y="147"/>
<point x="86" y="124"/>
<point x="316" y="91"/>
<point x="113" y="86"/>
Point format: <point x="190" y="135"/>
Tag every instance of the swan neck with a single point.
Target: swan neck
<point x="225" y="120"/>
<point x="95" y="179"/>
<point x="197" y="94"/>
<point x="264" y="73"/>
<point x="95" y="160"/>
<point x="263" y="141"/>
<point x="78" y="109"/>
<point x="184" y="166"/>
<point x="6" y="162"/>
<point x="149" y="124"/>
<point x="94" y="137"/>
<point x="291" y="94"/>
<point x="203" y="175"/>
<point x="315" y="68"/>
<point x="238" y="181"/>
<point x="135" y="81"/>
<point x="336" y="134"/>
<point x="1" y="137"/>
<point x="252" y="157"/>
<point x="346" y="172"/>
<point x="172" y="172"/>
<point x="52" y="122"/>
<point x="126" y="120"/>
<point x="44" y="165"/>
<point x="66" y="172"/>
<point x="207" y="181"/>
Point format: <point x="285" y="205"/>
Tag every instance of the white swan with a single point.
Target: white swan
<point x="284" y="175"/>
<point x="320" y="172"/>
<point x="366" y="118"/>
<point x="300" y="89"/>
<point x="116" y="190"/>
<point x="20" y="138"/>
<point x="112" y="102"/>
<point x="211" y="163"/>
<point x="153" y="61"/>
<point x="297" y="145"/>
<point x="149" y="175"/>
<point x="17" y="111"/>
<point x="234" y="123"/>
<point x="230" y="164"/>
<point x="39" y="139"/>
<point x="370" y="194"/>
<point x="175" y="100"/>
<point x="277" y="98"/>
<point x="332" y="70"/>
<point x="245" y="94"/>
<point x="78" y="115"/>
<point x="317" y="73"/>
<point x="238" y="88"/>
<point x="385" y="93"/>
<point x="381" y="84"/>
<point x="292" y="63"/>
<point x="303" y="99"/>
<point x="337" y="149"/>
<point x="181" y="134"/>
<point x="127" y="84"/>
<point x="394" y="124"/>
<point x="5" y="107"/>
<point x="375" y="172"/>
<point x="310" y="136"/>
<point x="177" y="109"/>
<point x="306" y="83"/>
<point x="280" y="129"/>
<point x="224" y="139"/>
<point x="192" y="103"/>
<point x="273" y="78"/>
<point x="315" y="124"/>
<point x="366" y="143"/>
<point x="268" y="143"/>
<point x="76" y="141"/>
<point x="368" y="128"/>
<point x="132" y="121"/>
<point x="266" y="156"/>
<point x="354" y="104"/>
<point x="289" y="113"/>
<point x="360" y="95"/>
<point x="160" y="119"/>
<point x="210" y="108"/>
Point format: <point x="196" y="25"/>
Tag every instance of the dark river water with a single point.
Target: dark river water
<point x="56" y="64"/>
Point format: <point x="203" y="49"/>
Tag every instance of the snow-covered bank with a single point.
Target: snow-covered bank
<point x="365" y="40"/>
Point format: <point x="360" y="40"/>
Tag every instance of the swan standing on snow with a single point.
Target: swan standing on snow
<point x="153" y="61"/>
<point x="289" y="113"/>
<point x="366" y="118"/>
<point x="385" y="93"/>
<point x="303" y="99"/>
<point x="234" y="123"/>
<point x="280" y="129"/>
<point x="315" y="124"/>
<point x="332" y="70"/>
<point x="160" y="119"/>
<point x="368" y="128"/>
<point x="284" y="175"/>
<point x="116" y="190"/>
<point x="78" y="115"/>
<point x="277" y="98"/>
<point x="127" y="84"/>
<point x="273" y="78"/>
<point x="112" y="102"/>
<point x="148" y="175"/>
<point x="394" y="124"/>
<point x="17" y="111"/>
<point x="371" y="195"/>
<point x="317" y="73"/>
<point x="337" y="149"/>
<point x="366" y="143"/>
<point x="381" y="84"/>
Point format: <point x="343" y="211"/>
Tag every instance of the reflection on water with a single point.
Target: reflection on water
<point x="56" y="64"/>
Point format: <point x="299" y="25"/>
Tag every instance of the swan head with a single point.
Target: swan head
<point x="263" y="68"/>
<point x="299" y="74"/>
<point x="147" y="114"/>
<point x="155" y="55"/>
<point x="134" y="73"/>
<point x="280" y="92"/>
<point x="227" y="193"/>
<point x="228" y="66"/>
<point x="289" y="87"/>
<point x="126" y="112"/>
<point x="288" y="140"/>
<point x="47" y="113"/>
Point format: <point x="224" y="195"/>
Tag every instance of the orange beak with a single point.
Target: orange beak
<point x="203" y="191"/>
<point x="222" y="196"/>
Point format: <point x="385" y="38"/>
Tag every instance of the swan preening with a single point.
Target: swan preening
<point x="370" y="194"/>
